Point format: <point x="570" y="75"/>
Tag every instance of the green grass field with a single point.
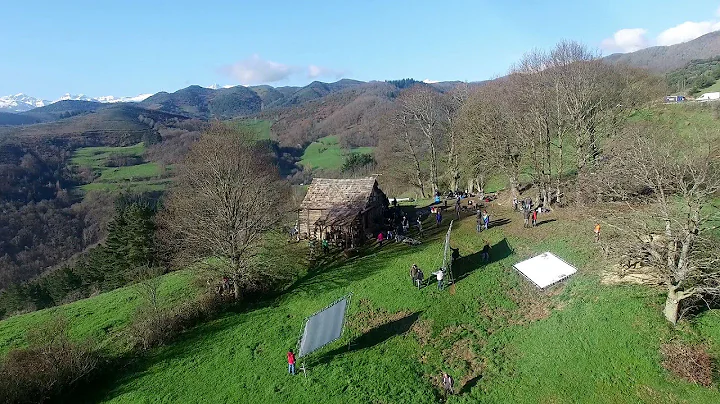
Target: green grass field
<point x="102" y="317"/>
<point x="326" y="154"/>
<point x="501" y="339"/>
<point x="96" y="156"/>
<point x="259" y="126"/>
<point x="690" y="120"/>
<point x="139" y="177"/>
<point x="713" y="88"/>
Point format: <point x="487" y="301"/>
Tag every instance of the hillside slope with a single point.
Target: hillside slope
<point x="501" y="339"/>
<point x="665" y="58"/>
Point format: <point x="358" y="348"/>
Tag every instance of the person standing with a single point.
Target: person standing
<point x="526" y="215"/>
<point x="420" y="278"/>
<point x="448" y="384"/>
<point x="325" y="246"/>
<point x="380" y="238"/>
<point x="291" y="362"/>
<point x="486" y="219"/>
<point x="457" y="208"/>
<point x="479" y="220"/>
<point x="413" y="273"/>
<point x="440" y="275"/>
<point x="534" y="218"/>
<point x="597" y="232"/>
<point x="438" y="217"/>
<point x="515" y="203"/>
<point x="419" y="225"/>
<point x="485" y="253"/>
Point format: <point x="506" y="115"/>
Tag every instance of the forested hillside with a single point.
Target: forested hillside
<point x="695" y="76"/>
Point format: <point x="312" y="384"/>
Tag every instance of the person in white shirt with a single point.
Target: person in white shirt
<point x="439" y="275"/>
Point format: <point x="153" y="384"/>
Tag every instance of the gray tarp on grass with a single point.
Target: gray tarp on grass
<point x="323" y="327"/>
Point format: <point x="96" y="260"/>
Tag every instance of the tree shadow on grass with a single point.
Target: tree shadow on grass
<point x="343" y="272"/>
<point x="464" y="266"/>
<point x="376" y="336"/>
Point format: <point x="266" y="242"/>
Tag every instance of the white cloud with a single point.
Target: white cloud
<point x="428" y="81"/>
<point x="256" y="70"/>
<point x="633" y="39"/>
<point x="626" y="40"/>
<point x="314" y="71"/>
<point x="686" y="31"/>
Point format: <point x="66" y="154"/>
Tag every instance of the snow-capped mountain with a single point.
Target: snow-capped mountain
<point x="218" y="86"/>
<point x="104" y="99"/>
<point x="20" y="103"/>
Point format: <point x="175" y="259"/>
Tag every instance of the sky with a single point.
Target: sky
<point x="129" y="47"/>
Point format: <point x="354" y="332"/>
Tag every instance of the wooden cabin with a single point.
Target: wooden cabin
<point x="345" y="211"/>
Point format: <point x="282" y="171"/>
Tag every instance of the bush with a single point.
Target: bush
<point x="156" y="327"/>
<point x="691" y="363"/>
<point x="119" y="160"/>
<point x="50" y="366"/>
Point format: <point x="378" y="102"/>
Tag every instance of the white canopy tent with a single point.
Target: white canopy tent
<point x="545" y="269"/>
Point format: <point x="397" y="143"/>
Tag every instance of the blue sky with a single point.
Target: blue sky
<point x="130" y="47"/>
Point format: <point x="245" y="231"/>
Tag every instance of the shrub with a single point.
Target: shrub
<point x="50" y="366"/>
<point x="119" y="160"/>
<point x="156" y="327"/>
<point x="692" y="363"/>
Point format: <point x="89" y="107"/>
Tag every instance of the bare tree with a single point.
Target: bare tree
<point x="148" y="280"/>
<point x="450" y="105"/>
<point x="676" y="234"/>
<point x="489" y="132"/>
<point x="421" y="105"/>
<point x="533" y="116"/>
<point x="227" y="197"/>
<point x="400" y="154"/>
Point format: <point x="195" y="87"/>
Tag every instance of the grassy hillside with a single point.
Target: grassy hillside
<point x="713" y="88"/>
<point x="500" y="338"/>
<point x="688" y="120"/>
<point x="326" y="154"/>
<point x="102" y="317"/>
<point x="260" y="126"/>
<point x="139" y="177"/>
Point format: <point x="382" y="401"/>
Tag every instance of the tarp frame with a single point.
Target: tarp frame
<point x="562" y="279"/>
<point x="305" y="322"/>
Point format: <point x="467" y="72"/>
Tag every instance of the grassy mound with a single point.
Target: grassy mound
<point x="501" y="339"/>
<point x="259" y="126"/>
<point x="102" y="317"/>
<point x="326" y="154"/>
<point x="142" y="176"/>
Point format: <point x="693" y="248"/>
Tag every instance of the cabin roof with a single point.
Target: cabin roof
<point x="326" y="193"/>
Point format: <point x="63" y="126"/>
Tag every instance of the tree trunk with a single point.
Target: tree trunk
<point x="560" y="167"/>
<point x="433" y="167"/>
<point x="672" y="304"/>
<point x="514" y="186"/>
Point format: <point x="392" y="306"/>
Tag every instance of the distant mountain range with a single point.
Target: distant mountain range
<point x="23" y="102"/>
<point x="662" y="59"/>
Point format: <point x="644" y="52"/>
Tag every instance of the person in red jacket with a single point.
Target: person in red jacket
<point x="291" y="362"/>
<point x="534" y="218"/>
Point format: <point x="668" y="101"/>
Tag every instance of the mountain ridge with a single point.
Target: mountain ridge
<point x="662" y="59"/>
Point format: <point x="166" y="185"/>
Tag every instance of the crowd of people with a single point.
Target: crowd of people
<point x="530" y="213"/>
<point x="418" y="277"/>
